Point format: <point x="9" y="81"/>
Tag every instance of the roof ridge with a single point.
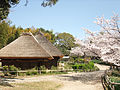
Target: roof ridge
<point x="48" y="42"/>
<point x="41" y="46"/>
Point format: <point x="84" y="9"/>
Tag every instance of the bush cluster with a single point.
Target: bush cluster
<point x="43" y="70"/>
<point x="100" y="62"/>
<point x="116" y="73"/>
<point x="96" y="61"/>
<point x="76" y="59"/>
<point x="32" y="72"/>
<point x="115" y="80"/>
<point x="85" y="66"/>
<point x="12" y="70"/>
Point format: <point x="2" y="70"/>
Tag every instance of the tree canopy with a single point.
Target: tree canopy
<point x="8" y="33"/>
<point x="65" y="41"/>
<point x="5" y="6"/>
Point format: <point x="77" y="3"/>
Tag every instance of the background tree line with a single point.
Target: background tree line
<point x="63" y="41"/>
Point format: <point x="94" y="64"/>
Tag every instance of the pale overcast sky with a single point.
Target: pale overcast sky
<point x="66" y="16"/>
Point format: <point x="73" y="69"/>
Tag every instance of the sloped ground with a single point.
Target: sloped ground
<point x="72" y="81"/>
<point x="83" y="81"/>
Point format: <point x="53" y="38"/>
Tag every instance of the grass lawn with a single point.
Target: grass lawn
<point x="43" y="85"/>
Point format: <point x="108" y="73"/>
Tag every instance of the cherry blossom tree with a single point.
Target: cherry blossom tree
<point x="106" y="43"/>
<point x="79" y="49"/>
<point x="83" y="50"/>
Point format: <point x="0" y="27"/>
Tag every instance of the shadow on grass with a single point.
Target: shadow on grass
<point x="5" y="80"/>
<point x="85" y="77"/>
<point x="3" y="83"/>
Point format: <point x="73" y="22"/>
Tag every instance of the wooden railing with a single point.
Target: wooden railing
<point x="106" y="82"/>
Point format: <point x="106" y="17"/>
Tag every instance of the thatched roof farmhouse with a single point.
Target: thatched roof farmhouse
<point x="48" y="46"/>
<point x="29" y="51"/>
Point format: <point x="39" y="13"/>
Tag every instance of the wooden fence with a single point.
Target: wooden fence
<point x="106" y="81"/>
<point x="39" y="71"/>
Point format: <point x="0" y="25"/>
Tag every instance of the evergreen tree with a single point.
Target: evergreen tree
<point x="3" y="33"/>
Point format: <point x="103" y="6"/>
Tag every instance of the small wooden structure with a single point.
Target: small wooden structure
<point x="29" y="51"/>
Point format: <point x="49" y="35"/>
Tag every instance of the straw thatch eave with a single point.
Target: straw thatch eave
<point x="26" y="46"/>
<point x="12" y="57"/>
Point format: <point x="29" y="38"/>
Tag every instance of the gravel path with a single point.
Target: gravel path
<point x="72" y="81"/>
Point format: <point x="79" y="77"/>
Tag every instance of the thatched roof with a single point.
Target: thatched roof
<point x="47" y="45"/>
<point x="26" y="46"/>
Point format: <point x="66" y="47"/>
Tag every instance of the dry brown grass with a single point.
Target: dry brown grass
<point x="43" y="85"/>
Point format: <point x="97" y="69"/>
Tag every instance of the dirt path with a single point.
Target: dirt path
<point x="85" y="80"/>
<point x="72" y="81"/>
<point x="102" y="67"/>
<point x="82" y="81"/>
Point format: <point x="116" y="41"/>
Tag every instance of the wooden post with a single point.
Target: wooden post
<point x="39" y="70"/>
<point x="17" y="73"/>
<point x="111" y="66"/>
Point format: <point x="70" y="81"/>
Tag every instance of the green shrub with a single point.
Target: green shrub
<point x="117" y="87"/>
<point x="10" y="70"/>
<point x="43" y="72"/>
<point x="115" y="80"/>
<point x="67" y="66"/>
<point x="104" y="63"/>
<point x="90" y="65"/>
<point x="13" y="70"/>
<point x="96" y="68"/>
<point x="74" y="66"/>
<point x="76" y="59"/>
<point x="5" y="70"/>
<point x="21" y="74"/>
<point x="28" y="73"/>
<point x="116" y="73"/>
<point x="85" y="66"/>
<point x="81" y="70"/>
<point x="53" y="68"/>
<point x="96" y="61"/>
<point x="35" y="68"/>
<point x="33" y="71"/>
<point x="42" y="67"/>
<point x="81" y="59"/>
